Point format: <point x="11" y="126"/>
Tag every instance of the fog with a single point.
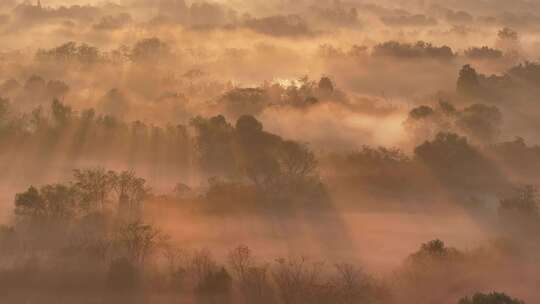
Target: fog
<point x="274" y="151"/>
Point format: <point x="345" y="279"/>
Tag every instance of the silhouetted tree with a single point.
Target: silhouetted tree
<point x="491" y="298"/>
<point x="214" y="145"/>
<point x="521" y="209"/>
<point x="215" y="287"/>
<point x="71" y="52"/>
<point x="458" y="164"/>
<point x="481" y="122"/>
<point x="421" y="112"/>
<point x="468" y="83"/>
<point x="62" y="114"/>
<point x="326" y="85"/>
<point x="483" y="53"/>
<point x="51" y="204"/>
<point x="139" y="241"/>
<point x="297" y="280"/>
<point x="419" y="50"/>
<point x="95" y="187"/>
<point x="131" y="192"/>
<point x="151" y="50"/>
<point x="57" y="88"/>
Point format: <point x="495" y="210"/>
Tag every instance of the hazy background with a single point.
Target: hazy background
<point x="407" y="121"/>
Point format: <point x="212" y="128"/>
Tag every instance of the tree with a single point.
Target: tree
<point x="457" y="163"/>
<point x="181" y="190"/>
<point x="244" y="101"/>
<point x="111" y="22"/>
<point x="434" y="250"/>
<point x="491" y="298"/>
<point x="131" y="191"/>
<point x="524" y="199"/>
<point x="64" y="52"/>
<point x="424" y="122"/>
<point x="483" y="53"/>
<point x="481" y="122"/>
<point x="278" y="168"/>
<point x="418" y="50"/>
<point x="57" y="88"/>
<point x="297" y="280"/>
<point x="8" y="240"/>
<point x="215" y="286"/>
<point x="468" y="83"/>
<point x="421" y="112"/>
<point x="61" y="201"/>
<point x="149" y="50"/>
<point x="35" y="84"/>
<point x="94" y="186"/>
<point x="256" y="151"/>
<point x="522" y="158"/>
<point x="52" y="204"/>
<point x="508" y="40"/>
<point x="139" y="241"/>
<point x="521" y="208"/>
<point x="352" y="285"/>
<point x="432" y="262"/>
<point x="30" y="204"/>
<point x="114" y="103"/>
<point x="297" y="162"/>
<point x="87" y="54"/>
<point x="4" y="112"/>
<point x="253" y="280"/>
<point x="214" y="145"/>
<point x="71" y="52"/>
<point x="326" y="85"/>
<point x="240" y="260"/>
<point x="432" y="258"/>
<point x="508" y="33"/>
<point x="446" y="150"/>
<point x="62" y="114"/>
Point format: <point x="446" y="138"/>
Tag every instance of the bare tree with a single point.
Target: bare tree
<point x="297" y="280"/>
<point x="139" y="241"/>
<point x="240" y="260"/>
<point x="131" y="191"/>
<point x="94" y="187"/>
<point x="352" y="285"/>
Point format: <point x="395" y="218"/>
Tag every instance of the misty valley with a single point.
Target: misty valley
<point x="272" y="152"/>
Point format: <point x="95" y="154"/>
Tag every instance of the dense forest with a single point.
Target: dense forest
<point x="273" y="152"/>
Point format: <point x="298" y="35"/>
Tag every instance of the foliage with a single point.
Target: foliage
<point x="420" y="49"/>
<point x="468" y="83"/>
<point x="520" y="209"/>
<point x="139" y="241"/>
<point x="151" y="50"/>
<point x="71" y="52"/>
<point x="90" y="192"/>
<point x="49" y="204"/>
<point x="491" y="298"/>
